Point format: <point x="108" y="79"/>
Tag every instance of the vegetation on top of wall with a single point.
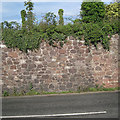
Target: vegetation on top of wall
<point x="113" y="11"/>
<point x="92" y="11"/>
<point x="95" y="26"/>
<point x="61" y="20"/>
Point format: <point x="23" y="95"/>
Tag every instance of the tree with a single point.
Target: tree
<point x="61" y="20"/>
<point x="112" y="11"/>
<point x="92" y="11"/>
<point x="27" y="15"/>
<point x="10" y="25"/>
<point x="23" y="16"/>
<point x="50" y="18"/>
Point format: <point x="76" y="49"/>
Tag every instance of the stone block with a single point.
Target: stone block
<point x="69" y="85"/>
<point x="13" y="54"/>
<point x="62" y="87"/>
<point x="24" y="65"/>
<point x="45" y="76"/>
<point x="73" y="70"/>
<point x="62" y="51"/>
<point x="31" y="66"/>
<point x="73" y="51"/>
<point x="40" y="66"/>
<point x="13" y="67"/>
<point x="51" y="86"/>
<point x="53" y="64"/>
<point x="98" y="68"/>
<point x="9" y="61"/>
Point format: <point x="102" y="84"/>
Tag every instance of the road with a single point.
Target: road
<point x="88" y="105"/>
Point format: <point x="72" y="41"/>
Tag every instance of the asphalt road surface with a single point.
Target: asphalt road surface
<point x="89" y="105"/>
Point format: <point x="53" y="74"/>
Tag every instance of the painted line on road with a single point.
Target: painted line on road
<point x="56" y="115"/>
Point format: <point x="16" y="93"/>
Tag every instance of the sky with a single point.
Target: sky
<point x="10" y="9"/>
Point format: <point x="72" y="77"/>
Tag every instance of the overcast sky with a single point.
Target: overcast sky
<point x="10" y="11"/>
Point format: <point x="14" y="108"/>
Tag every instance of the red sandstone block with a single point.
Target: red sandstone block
<point x="96" y="58"/>
<point x="13" y="67"/>
<point x="84" y="46"/>
<point x="24" y="65"/>
<point x="80" y="43"/>
<point x="68" y="43"/>
<point x="87" y="50"/>
<point x="62" y="51"/>
<point x="74" y="42"/>
<point x="13" y="54"/>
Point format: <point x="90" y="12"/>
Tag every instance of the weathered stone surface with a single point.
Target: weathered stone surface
<point x="69" y="85"/>
<point x="51" y="86"/>
<point x="13" y="54"/>
<point x="62" y="51"/>
<point x="66" y="68"/>
<point x="31" y="66"/>
<point x="45" y="76"/>
<point x="98" y="68"/>
<point x="73" y="70"/>
<point x="73" y="51"/>
<point x="62" y="87"/>
<point x="13" y="67"/>
<point x="71" y="38"/>
<point x="24" y="65"/>
<point x="40" y="66"/>
<point x="9" y="61"/>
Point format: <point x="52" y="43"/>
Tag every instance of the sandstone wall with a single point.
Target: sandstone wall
<point x="60" y="69"/>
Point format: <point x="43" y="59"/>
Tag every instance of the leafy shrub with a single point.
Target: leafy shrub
<point x="92" y="11"/>
<point x="78" y="30"/>
<point x="112" y="11"/>
<point x="92" y="27"/>
<point x="33" y="92"/>
<point x="115" y="24"/>
<point x="61" y="20"/>
<point x="5" y="94"/>
<point x="93" y="89"/>
<point x="50" y="18"/>
<point x="93" y="34"/>
<point x="66" y="29"/>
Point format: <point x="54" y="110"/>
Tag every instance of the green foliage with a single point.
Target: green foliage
<point x="42" y="27"/>
<point x="66" y="29"/>
<point x="97" y="88"/>
<point x="29" y="5"/>
<point x="10" y="25"/>
<point x="50" y="18"/>
<point x="5" y="94"/>
<point x="112" y="11"/>
<point x="23" y="16"/>
<point x="93" y="34"/>
<point x="30" y="35"/>
<point x="14" y="91"/>
<point x="32" y="92"/>
<point x="61" y="20"/>
<point x="30" y="86"/>
<point x="28" y="17"/>
<point x="92" y="11"/>
<point x="76" y="21"/>
<point x="22" y="40"/>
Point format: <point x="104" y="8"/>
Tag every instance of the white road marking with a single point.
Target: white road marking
<point x="56" y="115"/>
